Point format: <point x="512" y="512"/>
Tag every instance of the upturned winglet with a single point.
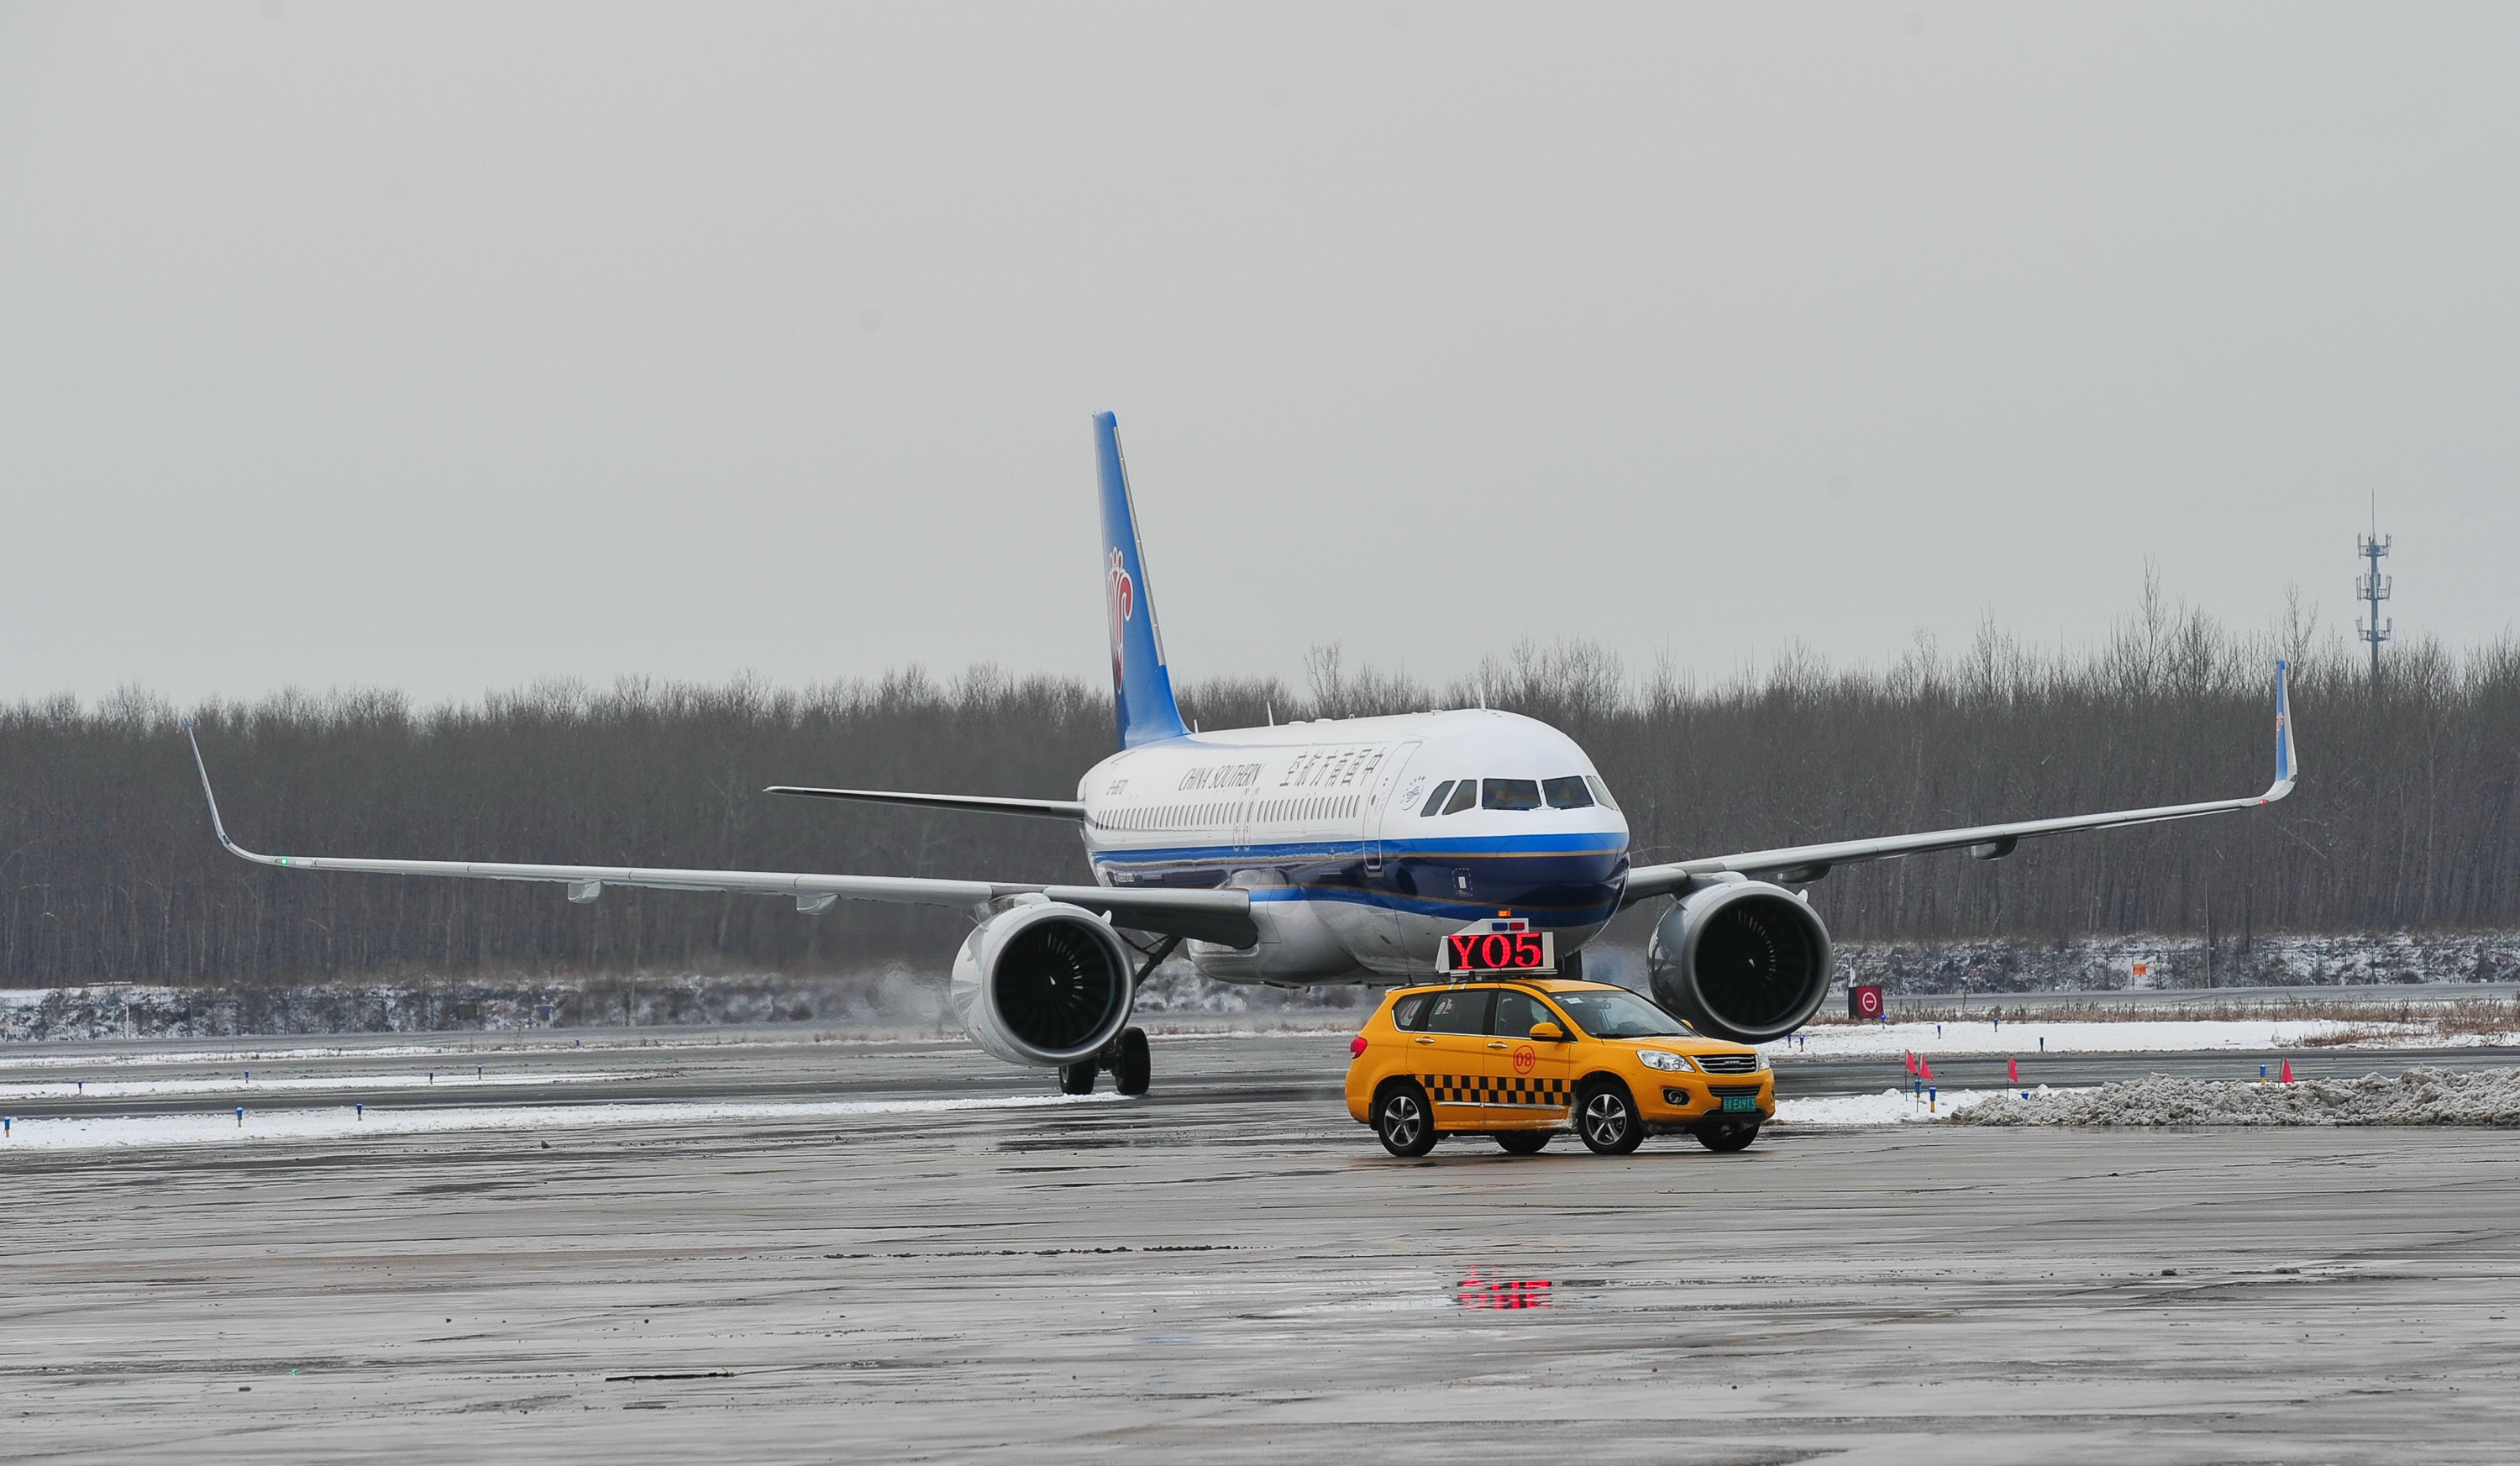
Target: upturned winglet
<point x="2288" y="764"/>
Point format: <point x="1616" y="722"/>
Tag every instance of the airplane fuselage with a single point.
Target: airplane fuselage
<point x="1355" y="841"/>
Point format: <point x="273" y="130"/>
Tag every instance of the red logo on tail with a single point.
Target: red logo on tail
<point x="1120" y="594"/>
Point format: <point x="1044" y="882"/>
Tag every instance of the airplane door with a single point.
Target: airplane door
<point x="1387" y="938"/>
<point x="1382" y="803"/>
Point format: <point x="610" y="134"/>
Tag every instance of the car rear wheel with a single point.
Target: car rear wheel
<point x="1728" y="1138"/>
<point x="1523" y="1142"/>
<point x="1405" y="1121"/>
<point x="1135" y="1068"/>
<point x="1078" y="1077"/>
<point x="1606" y="1118"/>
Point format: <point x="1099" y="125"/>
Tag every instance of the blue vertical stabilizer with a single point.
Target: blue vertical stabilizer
<point x="1142" y="689"/>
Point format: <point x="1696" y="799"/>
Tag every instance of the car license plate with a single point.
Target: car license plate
<point x="1735" y="1103"/>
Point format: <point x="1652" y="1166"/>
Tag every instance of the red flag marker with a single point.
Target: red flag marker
<point x="1924" y="1069"/>
<point x="2286" y="1077"/>
<point x="2012" y="1071"/>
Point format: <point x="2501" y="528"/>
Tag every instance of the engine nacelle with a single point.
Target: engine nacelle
<point x="1744" y="960"/>
<point x="1043" y="984"/>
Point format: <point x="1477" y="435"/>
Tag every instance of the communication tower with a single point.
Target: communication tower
<point x="2372" y="587"/>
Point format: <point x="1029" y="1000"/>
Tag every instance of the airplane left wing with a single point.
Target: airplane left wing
<point x="977" y="804"/>
<point x="1216" y="915"/>
<point x="1792" y="865"/>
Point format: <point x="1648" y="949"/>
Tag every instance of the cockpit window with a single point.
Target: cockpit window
<point x="1510" y="794"/>
<point x="1568" y="792"/>
<point x="1602" y="792"/>
<point x="1435" y="800"/>
<point x="1464" y="795"/>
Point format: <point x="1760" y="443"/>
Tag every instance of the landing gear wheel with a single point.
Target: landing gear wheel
<point x="1726" y="1138"/>
<point x="1078" y="1077"/>
<point x="1523" y="1142"/>
<point x="1135" y="1069"/>
<point x="1606" y="1118"/>
<point x="1405" y="1121"/>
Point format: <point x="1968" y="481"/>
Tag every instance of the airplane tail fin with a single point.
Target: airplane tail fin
<point x="1142" y="688"/>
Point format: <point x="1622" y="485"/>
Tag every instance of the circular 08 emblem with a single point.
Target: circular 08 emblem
<point x="1524" y="1058"/>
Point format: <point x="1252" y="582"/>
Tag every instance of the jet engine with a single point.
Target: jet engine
<point x="1744" y="960"/>
<point x="1043" y="983"/>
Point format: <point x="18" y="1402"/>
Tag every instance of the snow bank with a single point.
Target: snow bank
<point x="127" y="1131"/>
<point x="2417" y="1097"/>
<point x="1889" y="1107"/>
<point x="2169" y="1035"/>
<point x="2341" y="959"/>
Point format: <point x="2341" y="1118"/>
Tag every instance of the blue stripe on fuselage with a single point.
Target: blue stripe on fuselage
<point x="1559" y="880"/>
<point x="1471" y="847"/>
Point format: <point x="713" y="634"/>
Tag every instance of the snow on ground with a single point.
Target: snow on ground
<point x="1889" y="1107"/>
<point x="239" y="1085"/>
<point x="2167" y="1036"/>
<point x="469" y="1051"/>
<point x="138" y="1055"/>
<point x="127" y="1131"/>
<point x="2417" y="1097"/>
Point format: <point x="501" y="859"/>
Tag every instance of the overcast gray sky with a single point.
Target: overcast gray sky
<point x="444" y="347"/>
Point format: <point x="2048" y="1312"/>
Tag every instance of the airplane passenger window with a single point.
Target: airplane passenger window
<point x="1567" y="793"/>
<point x="1602" y="792"/>
<point x="1510" y="794"/>
<point x="1435" y="800"/>
<point x="1462" y="1011"/>
<point x="1464" y="795"/>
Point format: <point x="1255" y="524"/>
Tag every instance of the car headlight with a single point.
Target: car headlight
<point x="1654" y="1058"/>
<point x="1763" y="1061"/>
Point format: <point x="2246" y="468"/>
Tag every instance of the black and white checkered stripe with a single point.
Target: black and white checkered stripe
<point x="1494" y="1089"/>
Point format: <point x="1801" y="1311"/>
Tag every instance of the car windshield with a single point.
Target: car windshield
<point x="1618" y="1015"/>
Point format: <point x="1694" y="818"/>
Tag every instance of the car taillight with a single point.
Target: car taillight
<point x="1356" y="1047"/>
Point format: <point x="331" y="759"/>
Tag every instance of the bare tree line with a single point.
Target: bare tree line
<point x="2405" y="818"/>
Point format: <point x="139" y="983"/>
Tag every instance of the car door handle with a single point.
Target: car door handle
<point x="1500" y="1044"/>
<point x="1425" y="1040"/>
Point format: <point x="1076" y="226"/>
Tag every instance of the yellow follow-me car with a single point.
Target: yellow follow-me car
<point x="1523" y="1059"/>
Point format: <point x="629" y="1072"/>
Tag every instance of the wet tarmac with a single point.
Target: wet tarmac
<point x="1231" y="1270"/>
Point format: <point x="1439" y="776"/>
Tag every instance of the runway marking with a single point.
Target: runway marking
<point x="27" y="1089"/>
<point x="139" y="1131"/>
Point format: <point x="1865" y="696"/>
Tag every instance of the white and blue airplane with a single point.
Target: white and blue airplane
<point x="1349" y="850"/>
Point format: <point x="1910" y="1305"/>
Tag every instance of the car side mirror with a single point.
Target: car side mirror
<point x="1548" y="1031"/>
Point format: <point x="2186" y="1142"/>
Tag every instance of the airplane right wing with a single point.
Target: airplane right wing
<point x="1221" y="916"/>
<point x="1791" y="864"/>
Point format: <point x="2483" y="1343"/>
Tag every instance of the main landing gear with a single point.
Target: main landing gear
<point x="1132" y="1067"/>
